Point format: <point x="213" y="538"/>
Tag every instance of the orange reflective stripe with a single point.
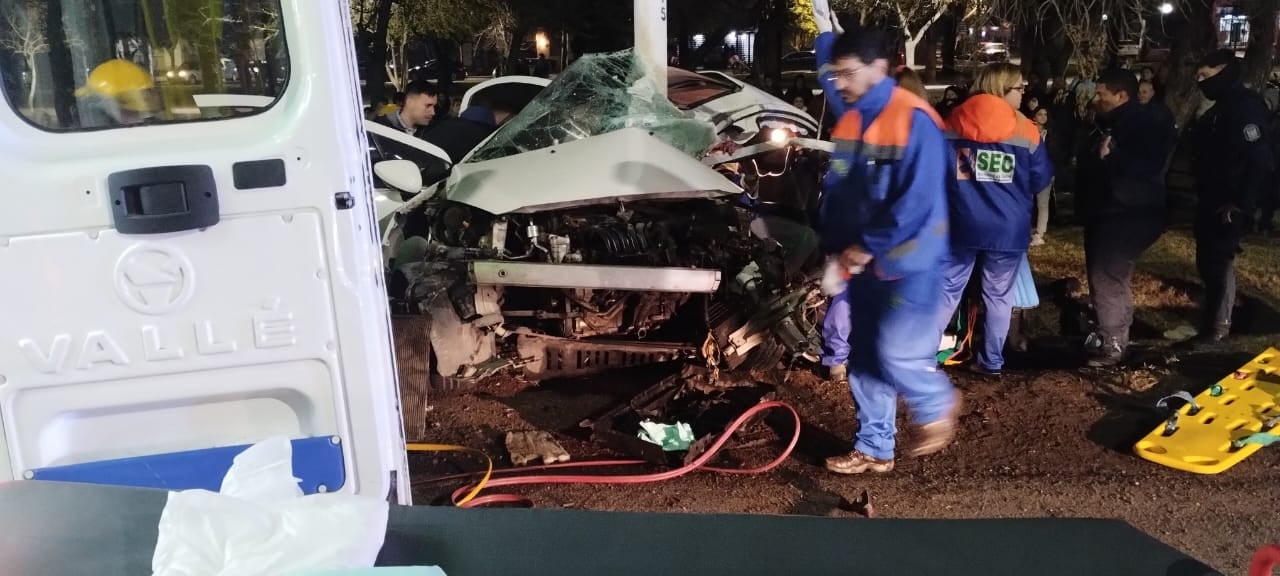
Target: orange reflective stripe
<point x="1027" y="129"/>
<point x="886" y="137"/>
<point x="1025" y="134"/>
<point x="849" y="127"/>
<point x="893" y="126"/>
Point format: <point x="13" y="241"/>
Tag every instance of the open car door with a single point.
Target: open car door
<point x="183" y="281"/>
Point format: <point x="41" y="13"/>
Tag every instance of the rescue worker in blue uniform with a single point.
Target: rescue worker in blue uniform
<point x="835" y="337"/>
<point x="1000" y="167"/>
<point x="1231" y="163"/>
<point x="885" y="211"/>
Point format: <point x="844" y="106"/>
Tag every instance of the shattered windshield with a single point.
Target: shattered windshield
<point x="597" y="94"/>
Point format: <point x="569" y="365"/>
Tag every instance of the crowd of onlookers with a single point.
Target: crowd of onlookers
<point x="1121" y="200"/>
<point x="1066" y="116"/>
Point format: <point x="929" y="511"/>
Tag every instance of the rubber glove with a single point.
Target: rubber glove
<point x="836" y="277"/>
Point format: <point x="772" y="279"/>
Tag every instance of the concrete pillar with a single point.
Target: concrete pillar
<point x="651" y="38"/>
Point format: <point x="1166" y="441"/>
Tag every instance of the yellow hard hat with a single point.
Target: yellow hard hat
<point x="120" y="79"/>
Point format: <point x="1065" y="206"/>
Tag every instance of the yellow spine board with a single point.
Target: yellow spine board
<point x="1203" y="441"/>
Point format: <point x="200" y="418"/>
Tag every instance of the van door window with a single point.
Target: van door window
<point x="120" y="63"/>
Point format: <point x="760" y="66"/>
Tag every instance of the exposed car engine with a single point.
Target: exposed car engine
<point x="587" y="269"/>
<point x="566" y="252"/>
<point x="695" y="234"/>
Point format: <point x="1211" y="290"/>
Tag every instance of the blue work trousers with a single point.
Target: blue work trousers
<point x="835" y="331"/>
<point x="895" y="345"/>
<point x="999" y="270"/>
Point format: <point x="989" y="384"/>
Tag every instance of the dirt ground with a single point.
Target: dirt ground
<point x="1045" y="440"/>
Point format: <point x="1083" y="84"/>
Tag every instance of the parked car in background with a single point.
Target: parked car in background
<point x="988" y="52"/>
<point x="430" y="70"/>
<point x="802" y="60"/>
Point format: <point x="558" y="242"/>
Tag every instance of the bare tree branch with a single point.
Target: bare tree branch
<point x="24" y="30"/>
<point x="24" y="35"/>
<point x="914" y="17"/>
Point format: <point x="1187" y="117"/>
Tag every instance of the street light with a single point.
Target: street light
<point x="1166" y="8"/>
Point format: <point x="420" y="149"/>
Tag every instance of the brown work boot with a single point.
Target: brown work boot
<point x="856" y="463"/>
<point x="934" y="436"/>
<point x="838" y="373"/>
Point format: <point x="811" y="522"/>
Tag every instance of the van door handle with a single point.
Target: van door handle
<point x="163" y="199"/>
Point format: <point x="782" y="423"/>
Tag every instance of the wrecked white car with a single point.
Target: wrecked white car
<point x="591" y="231"/>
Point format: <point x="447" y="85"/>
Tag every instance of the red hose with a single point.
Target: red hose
<point x="1265" y="560"/>
<point x="699" y="464"/>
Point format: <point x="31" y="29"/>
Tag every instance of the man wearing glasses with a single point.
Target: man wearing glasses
<point x="884" y="220"/>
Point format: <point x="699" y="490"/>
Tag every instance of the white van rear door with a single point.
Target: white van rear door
<point x="180" y="282"/>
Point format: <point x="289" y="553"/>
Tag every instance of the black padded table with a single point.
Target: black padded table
<point x="54" y="529"/>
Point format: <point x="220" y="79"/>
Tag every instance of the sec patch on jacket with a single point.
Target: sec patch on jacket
<point x="993" y="166"/>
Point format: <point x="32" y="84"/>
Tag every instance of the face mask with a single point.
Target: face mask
<point x="1214" y="88"/>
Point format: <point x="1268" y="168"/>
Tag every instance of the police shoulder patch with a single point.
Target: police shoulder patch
<point x="1252" y="133"/>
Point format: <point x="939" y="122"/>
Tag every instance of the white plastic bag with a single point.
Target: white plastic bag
<point x="260" y="524"/>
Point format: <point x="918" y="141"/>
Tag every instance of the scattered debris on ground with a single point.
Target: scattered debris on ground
<point x="534" y="446"/>
<point x="1045" y="439"/>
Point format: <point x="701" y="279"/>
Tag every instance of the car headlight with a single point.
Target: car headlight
<point x="778" y="131"/>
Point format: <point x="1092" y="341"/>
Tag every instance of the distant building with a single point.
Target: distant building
<point x="741" y="43"/>
<point x="1231" y="21"/>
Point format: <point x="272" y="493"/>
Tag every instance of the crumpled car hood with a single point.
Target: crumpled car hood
<point x="601" y="132"/>
<point x="623" y="166"/>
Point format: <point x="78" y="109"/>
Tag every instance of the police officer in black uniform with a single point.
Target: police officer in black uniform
<point x="1232" y="161"/>
<point x="1123" y="175"/>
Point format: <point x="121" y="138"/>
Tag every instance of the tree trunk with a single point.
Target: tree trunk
<point x="1111" y="37"/>
<point x="950" y="24"/>
<point x="1031" y="45"/>
<point x="31" y="92"/>
<point x="376" y="80"/>
<point x="242" y="46"/>
<point x="911" y="40"/>
<point x="445" y="50"/>
<point x="1193" y="37"/>
<point x="1260" y="53"/>
<point x="272" y="79"/>
<point x="514" y="53"/>
<point x="1037" y="56"/>
<point x="773" y="16"/>
<point x="909" y="51"/>
<point x="60" y="67"/>
<point x="208" y="48"/>
<point x="1056" y="48"/>
<point x="398" y="65"/>
<point x="930" y="48"/>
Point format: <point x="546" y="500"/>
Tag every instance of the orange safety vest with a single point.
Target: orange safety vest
<point x="862" y="173"/>
<point x="886" y="136"/>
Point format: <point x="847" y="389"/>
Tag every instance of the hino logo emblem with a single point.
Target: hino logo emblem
<point x="154" y="279"/>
